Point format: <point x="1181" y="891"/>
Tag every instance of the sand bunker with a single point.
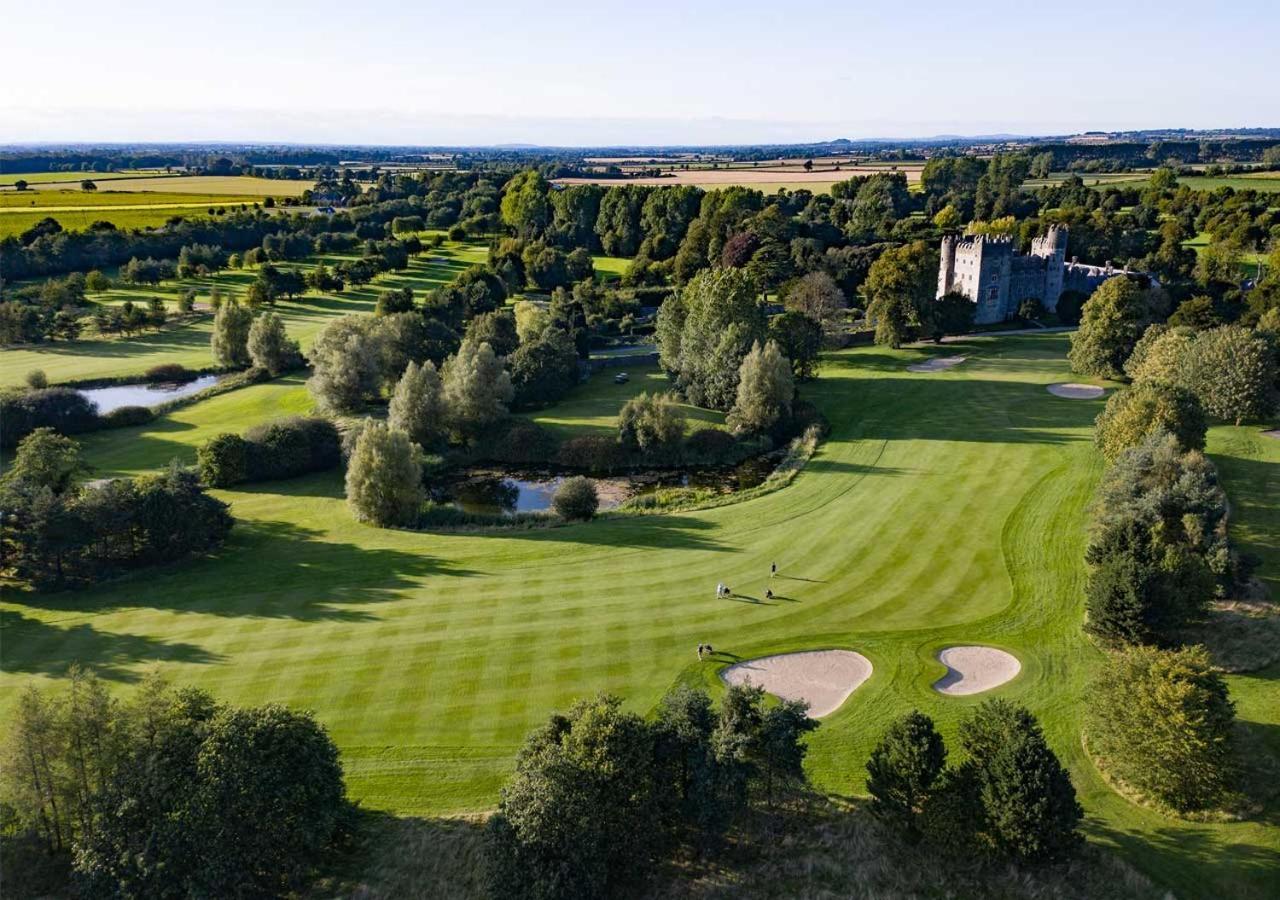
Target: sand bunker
<point x="1272" y="434"/>
<point x="972" y="669"/>
<point x="1076" y="391"/>
<point x="938" y="364"/>
<point x="822" y="678"/>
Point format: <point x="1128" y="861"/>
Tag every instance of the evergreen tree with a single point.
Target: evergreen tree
<point x="902" y="770"/>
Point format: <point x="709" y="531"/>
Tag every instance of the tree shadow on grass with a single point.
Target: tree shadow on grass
<point x="661" y="531"/>
<point x="40" y="648"/>
<point x="1220" y="866"/>
<point x="276" y="570"/>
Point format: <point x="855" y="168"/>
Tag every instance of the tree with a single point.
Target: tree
<point x="45" y="459"/>
<point x="576" y="499"/>
<point x="780" y="747"/>
<point x="37" y="380"/>
<point x="1029" y="805"/>
<point x="766" y="388"/>
<point x="579" y="819"/>
<point x="1112" y="322"/>
<point x="706" y="330"/>
<point x="947" y="218"/>
<point x="545" y="368"/>
<point x="524" y="204"/>
<point x="1136" y="412"/>
<point x="384" y="477"/>
<point x="394" y="301"/>
<point x="817" y="297"/>
<point x="1159" y="354"/>
<point x="477" y="390"/>
<point x="900" y="286"/>
<point x="1161" y="721"/>
<point x="902" y="770"/>
<point x="952" y="313"/>
<point x="497" y="329"/>
<point x="531" y="320"/>
<point x="651" y="423"/>
<point x="88" y="185"/>
<point x="230" y="339"/>
<point x="97" y="282"/>
<point x="417" y="405"/>
<point x="1233" y="371"/>
<point x="346" y="361"/>
<point x="270" y="347"/>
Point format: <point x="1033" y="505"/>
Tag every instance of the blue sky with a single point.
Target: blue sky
<point x="651" y="72"/>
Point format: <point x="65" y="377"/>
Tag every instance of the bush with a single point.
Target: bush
<point x="711" y="447"/>
<point x="292" y="446"/>
<point x="519" y="441"/>
<point x="1136" y="412"/>
<point x="592" y="453"/>
<point x="223" y="460"/>
<point x="124" y="416"/>
<point x="168" y="373"/>
<point x="1161" y="721"/>
<point x="652" y="423"/>
<point x="576" y="499"/>
<point x="37" y="380"/>
<point x="62" y="409"/>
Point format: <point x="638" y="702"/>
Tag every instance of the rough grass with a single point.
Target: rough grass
<point x="807" y="847"/>
<point x="941" y="509"/>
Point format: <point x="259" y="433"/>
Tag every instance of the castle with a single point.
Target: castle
<point x="988" y="271"/>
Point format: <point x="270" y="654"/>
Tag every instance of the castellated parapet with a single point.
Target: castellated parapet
<point x="990" y="272"/>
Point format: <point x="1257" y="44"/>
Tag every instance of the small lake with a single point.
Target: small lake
<point x="116" y="396"/>
<point x="498" y="492"/>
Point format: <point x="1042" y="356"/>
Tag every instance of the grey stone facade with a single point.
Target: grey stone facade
<point x="997" y="278"/>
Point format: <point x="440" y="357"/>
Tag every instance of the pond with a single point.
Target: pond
<point x="118" y="395"/>
<point x="498" y="492"/>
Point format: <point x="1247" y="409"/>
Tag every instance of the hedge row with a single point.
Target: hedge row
<point x="284" y="448"/>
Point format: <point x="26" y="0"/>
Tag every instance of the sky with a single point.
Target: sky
<point x="640" y="73"/>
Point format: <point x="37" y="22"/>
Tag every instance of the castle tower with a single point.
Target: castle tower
<point x="947" y="268"/>
<point x="1052" y="248"/>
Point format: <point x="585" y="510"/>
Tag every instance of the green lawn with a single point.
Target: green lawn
<point x="943" y="508"/>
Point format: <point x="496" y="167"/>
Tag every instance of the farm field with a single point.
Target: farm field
<point x="943" y="508"/>
<point x="16" y="221"/>
<point x="38" y="179"/>
<point x="71" y="200"/>
<point x="769" y="180"/>
<point x="1263" y="181"/>
<point x="245" y="185"/>
<point x="134" y="202"/>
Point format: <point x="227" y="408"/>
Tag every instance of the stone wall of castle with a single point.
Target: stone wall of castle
<point x="988" y="271"/>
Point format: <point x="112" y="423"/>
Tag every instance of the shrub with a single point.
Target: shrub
<point x="1136" y="412"/>
<point x="124" y="416"/>
<point x="711" y="447"/>
<point x="593" y="453"/>
<point x="576" y="499"/>
<point x="223" y="460"/>
<point x="384" y="477"/>
<point x="168" y="373"/>
<point x="652" y="423"/>
<point x="292" y="446"/>
<point x="65" y="410"/>
<point x="1161" y="721"/>
<point x="519" y="441"/>
<point x="37" y="380"/>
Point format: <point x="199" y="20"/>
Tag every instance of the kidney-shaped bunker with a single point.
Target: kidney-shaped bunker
<point x="822" y="678"/>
